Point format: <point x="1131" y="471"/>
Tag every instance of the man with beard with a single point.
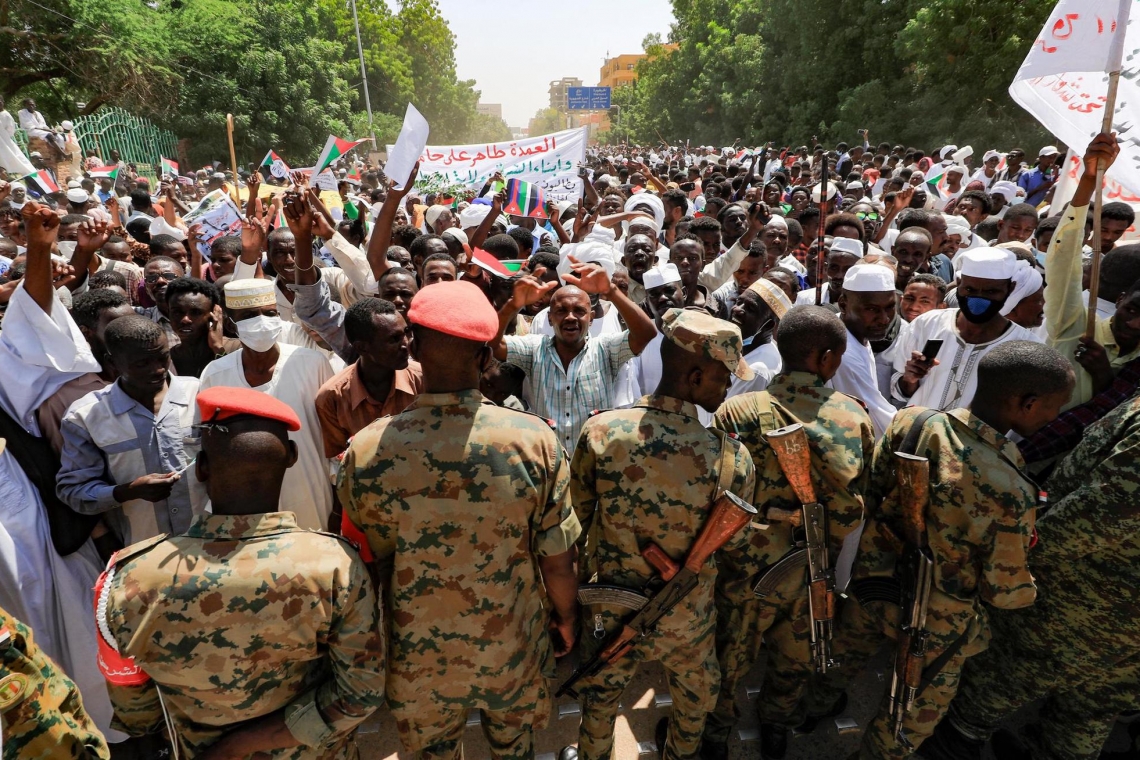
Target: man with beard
<point x="912" y="251"/>
<point x="867" y="307"/>
<point x="639" y="256"/>
<point x="663" y="292"/>
<point x="948" y="379"/>
<point x="757" y="312"/>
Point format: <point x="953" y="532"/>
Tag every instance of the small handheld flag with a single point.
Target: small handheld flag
<point x="488" y="262"/>
<point x="43" y="183"/>
<point x="525" y="199"/>
<point x="335" y="147"/>
<point x="105" y="172"/>
<point x="169" y="167"/>
<point x="277" y="166"/>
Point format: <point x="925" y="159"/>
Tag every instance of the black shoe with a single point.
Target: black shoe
<point x="948" y="743"/>
<point x="568" y="753"/>
<point x="773" y="741"/>
<point x="711" y="750"/>
<point x="661" y="734"/>
<point x="1008" y="746"/>
<point x="811" y="723"/>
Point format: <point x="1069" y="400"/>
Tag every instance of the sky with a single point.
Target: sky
<point x="514" y="49"/>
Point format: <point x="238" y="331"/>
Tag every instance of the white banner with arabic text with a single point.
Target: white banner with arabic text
<point x="550" y="161"/>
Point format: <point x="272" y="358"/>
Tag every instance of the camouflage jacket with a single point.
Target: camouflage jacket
<point x="842" y="441"/>
<point x="649" y="474"/>
<point x="979" y="522"/>
<point x="41" y="712"/>
<point x="242" y="616"/>
<point x="458" y="498"/>
<point x="1088" y="556"/>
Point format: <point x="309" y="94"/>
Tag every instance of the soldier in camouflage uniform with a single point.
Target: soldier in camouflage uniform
<point x="466" y="509"/>
<point x="41" y="712"/>
<point x="811" y="342"/>
<point x="648" y="474"/>
<point x="1079" y="646"/>
<point x="979" y="523"/>
<point x="249" y="633"/>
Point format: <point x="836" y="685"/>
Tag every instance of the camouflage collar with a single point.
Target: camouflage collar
<point x="798" y="379"/>
<point x="471" y="397"/>
<point x="241" y="526"/>
<point x="668" y="404"/>
<point x="988" y="434"/>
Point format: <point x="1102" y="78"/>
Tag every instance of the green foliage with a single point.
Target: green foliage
<point x="547" y="120"/>
<point x="288" y="70"/>
<point x="486" y="129"/>
<point x="921" y="72"/>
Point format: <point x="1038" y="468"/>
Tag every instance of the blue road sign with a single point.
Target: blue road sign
<point x="587" y="98"/>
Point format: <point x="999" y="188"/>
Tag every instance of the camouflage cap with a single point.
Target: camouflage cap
<point x="702" y="333"/>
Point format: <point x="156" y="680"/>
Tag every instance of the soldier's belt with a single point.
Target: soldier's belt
<point x="774" y="576"/>
<point x="614" y="596"/>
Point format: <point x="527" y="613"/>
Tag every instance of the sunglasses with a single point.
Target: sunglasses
<point x="167" y="276"/>
<point x="865" y="215"/>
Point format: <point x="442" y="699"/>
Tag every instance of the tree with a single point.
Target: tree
<point x="486" y="128"/>
<point x="547" y="120"/>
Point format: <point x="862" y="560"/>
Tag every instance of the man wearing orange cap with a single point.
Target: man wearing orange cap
<point x="249" y="633"/>
<point x="466" y="508"/>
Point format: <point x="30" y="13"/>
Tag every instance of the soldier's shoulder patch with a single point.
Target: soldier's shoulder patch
<point x="136" y="549"/>
<point x="13" y="689"/>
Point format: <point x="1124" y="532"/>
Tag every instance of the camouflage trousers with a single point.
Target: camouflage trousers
<point x="781" y="624"/>
<point x="510" y="735"/>
<point x="858" y="636"/>
<point x="692" y="676"/>
<point x="1048" y="651"/>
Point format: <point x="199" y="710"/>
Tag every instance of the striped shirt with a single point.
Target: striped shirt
<point x="568" y="396"/>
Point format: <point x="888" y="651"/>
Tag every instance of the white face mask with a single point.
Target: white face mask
<point x="66" y="248"/>
<point x="259" y="333"/>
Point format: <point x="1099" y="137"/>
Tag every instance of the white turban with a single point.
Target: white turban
<point x="778" y="222"/>
<point x="654" y="203"/>
<point x="1026" y="281"/>
<point x="473" y="215"/>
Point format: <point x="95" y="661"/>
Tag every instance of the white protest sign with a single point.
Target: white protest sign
<point x="409" y="145"/>
<point x="217" y="215"/>
<point x="1063" y="82"/>
<point x="550" y="161"/>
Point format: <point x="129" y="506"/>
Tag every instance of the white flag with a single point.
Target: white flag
<point x="1064" y="79"/>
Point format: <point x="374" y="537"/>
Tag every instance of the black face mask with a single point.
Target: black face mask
<point x="979" y="310"/>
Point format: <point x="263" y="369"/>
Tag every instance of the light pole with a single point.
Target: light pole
<point x="363" y="74"/>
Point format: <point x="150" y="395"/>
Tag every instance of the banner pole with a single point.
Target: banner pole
<point x="1094" y="275"/>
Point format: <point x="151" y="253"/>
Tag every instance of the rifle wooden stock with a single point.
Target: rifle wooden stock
<point x="790" y="445"/>
<point x="914" y="493"/>
<point x="728" y="515"/>
<point x="793" y="517"/>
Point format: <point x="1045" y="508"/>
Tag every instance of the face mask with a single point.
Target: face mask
<point x="66" y="248"/>
<point x="979" y="310"/>
<point x="259" y="333"/>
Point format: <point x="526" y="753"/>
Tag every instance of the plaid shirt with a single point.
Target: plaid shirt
<point x="1065" y="432"/>
<point x="567" y="396"/>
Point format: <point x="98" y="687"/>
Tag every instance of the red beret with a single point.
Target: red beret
<point x="456" y="308"/>
<point x="221" y="403"/>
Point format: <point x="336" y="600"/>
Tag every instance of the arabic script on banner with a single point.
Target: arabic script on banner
<point x="550" y="161"/>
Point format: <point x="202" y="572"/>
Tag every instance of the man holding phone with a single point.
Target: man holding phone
<point x="1038" y="180"/>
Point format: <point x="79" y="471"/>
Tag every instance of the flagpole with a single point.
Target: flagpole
<point x="1094" y="275"/>
<point x="820" y="252"/>
<point x="363" y="75"/>
<point x="233" y="156"/>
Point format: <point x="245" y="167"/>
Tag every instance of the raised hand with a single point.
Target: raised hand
<point x="92" y="235"/>
<point x="41" y="225"/>
<point x="590" y="277"/>
<point x="529" y="289"/>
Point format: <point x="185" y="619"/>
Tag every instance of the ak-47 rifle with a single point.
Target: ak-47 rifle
<point x="916" y="573"/>
<point x="790" y="444"/>
<point x="728" y="515"/>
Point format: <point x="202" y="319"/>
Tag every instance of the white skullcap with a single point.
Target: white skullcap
<point x="588" y="251"/>
<point x="958" y="169"/>
<point x="831" y="191"/>
<point x="777" y="221"/>
<point x="990" y="154"/>
<point x="1016" y="245"/>
<point x="657" y="208"/>
<point x="947" y="151"/>
<point x="433" y="214"/>
<point x="957" y="225"/>
<point x="249" y="293"/>
<point x="458" y="234"/>
<point x="473" y="215"/>
<point x="1026" y="281"/>
<point x="73" y="183"/>
<point x="847" y="245"/>
<point x="67" y="125"/>
<point x="643" y="221"/>
<point x="792" y="264"/>
<point x="773" y="295"/>
<point x="158" y="226"/>
<point x="987" y="263"/>
<point x="562" y="206"/>
<point x="869" y="278"/>
<point x="661" y="275"/>
<point x="78" y="195"/>
<point x="856" y="185"/>
<point x="604" y="178"/>
<point x="1006" y="189"/>
<point x="217" y="175"/>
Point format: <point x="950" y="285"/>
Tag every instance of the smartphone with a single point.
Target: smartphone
<point x="931" y="349"/>
<point x="688" y="187"/>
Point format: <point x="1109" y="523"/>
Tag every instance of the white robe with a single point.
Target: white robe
<point x="299" y="374"/>
<point x="52" y="595"/>
<point x="952" y="382"/>
<point x="765" y="361"/>
<point x="857" y="377"/>
<point x="11" y="157"/>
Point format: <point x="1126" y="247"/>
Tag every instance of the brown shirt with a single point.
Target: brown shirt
<point x="345" y="408"/>
<point x="50" y="414"/>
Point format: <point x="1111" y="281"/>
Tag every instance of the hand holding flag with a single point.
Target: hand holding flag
<point x="335" y="147"/>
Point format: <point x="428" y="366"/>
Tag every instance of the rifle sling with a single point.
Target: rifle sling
<point x="931" y="671"/>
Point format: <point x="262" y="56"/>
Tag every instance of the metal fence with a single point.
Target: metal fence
<point x="138" y="140"/>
